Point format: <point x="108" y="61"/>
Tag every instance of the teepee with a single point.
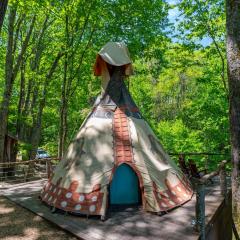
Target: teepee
<point x="115" y="157"/>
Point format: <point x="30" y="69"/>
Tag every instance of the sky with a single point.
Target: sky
<point x="173" y="14"/>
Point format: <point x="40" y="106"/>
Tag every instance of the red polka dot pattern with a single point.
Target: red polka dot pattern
<point x="173" y="196"/>
<point x="71" y="201"/>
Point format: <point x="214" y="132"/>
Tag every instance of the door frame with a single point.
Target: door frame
<point x="140" y="182"/>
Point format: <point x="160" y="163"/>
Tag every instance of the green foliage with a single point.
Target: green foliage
<point x="185" y="104"/>
<point x="24" y="149"/>
<point x="177" y="86"/>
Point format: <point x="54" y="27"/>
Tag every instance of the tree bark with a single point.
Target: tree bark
<point x="8" y="80"/>
<point x="11" y="71"/>
<point x="3" y="9"/>
<point x="65" y="84"/>
<point x="21" y="98"/>
<point x="63" y="111"/>
<point x="233" y="59"/>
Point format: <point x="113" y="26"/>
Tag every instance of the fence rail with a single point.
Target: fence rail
<point x="208" y="161"/>
<point x="30" y="161"/>
<point x="200" y="186"/>
<point x="198" y="153"/>
<point x="23" y="171"/>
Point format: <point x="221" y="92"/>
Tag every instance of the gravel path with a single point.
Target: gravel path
<point x="17" y="223"/>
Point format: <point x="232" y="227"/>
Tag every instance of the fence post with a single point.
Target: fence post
<point x="200" y="209"/>
<point x="30" y="170"/>
<point x="223" y="182"/>
<point x="206" y="162"/>
<point x="49" y="169"/>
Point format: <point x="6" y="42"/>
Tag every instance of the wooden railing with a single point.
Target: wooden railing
<point x="198" y="153"/>
<point x="200" y="185"/>
<point x="205" y="160"/>
<point x="23" y="171"/>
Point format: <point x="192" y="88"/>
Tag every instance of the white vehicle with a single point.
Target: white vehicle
<point x="42" y="154"/>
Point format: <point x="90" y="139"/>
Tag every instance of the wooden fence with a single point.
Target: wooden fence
<point x="23" y="171"/>
<point x="200" y="186"/>
<point x="14" y="172"/>
<point x="206" y="160"/>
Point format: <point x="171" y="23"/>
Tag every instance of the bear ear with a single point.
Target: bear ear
<point x="97" y="68"/>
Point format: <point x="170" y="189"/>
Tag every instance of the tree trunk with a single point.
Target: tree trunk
<point x="21" y="98"/>
<point x="233" y="59"/>
<point x="63" y="108"/>
<point x="8" y="82"/>
<point x="63" y="112"/>
<point x="24" y="129"/>
<point x="11" y="71"/>
<point x="3" y="9"/>
<point x="36" y="129"/>
<point x="67" y="88"/>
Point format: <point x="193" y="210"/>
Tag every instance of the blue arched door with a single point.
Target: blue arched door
<point x="124" y="188"/>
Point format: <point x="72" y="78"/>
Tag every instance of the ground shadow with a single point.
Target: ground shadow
<point x="19" y="223"/>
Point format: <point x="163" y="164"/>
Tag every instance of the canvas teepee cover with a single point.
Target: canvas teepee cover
<point x="114" y="134"/>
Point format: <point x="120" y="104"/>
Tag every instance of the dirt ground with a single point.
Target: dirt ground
<point x="17" y="223"/>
